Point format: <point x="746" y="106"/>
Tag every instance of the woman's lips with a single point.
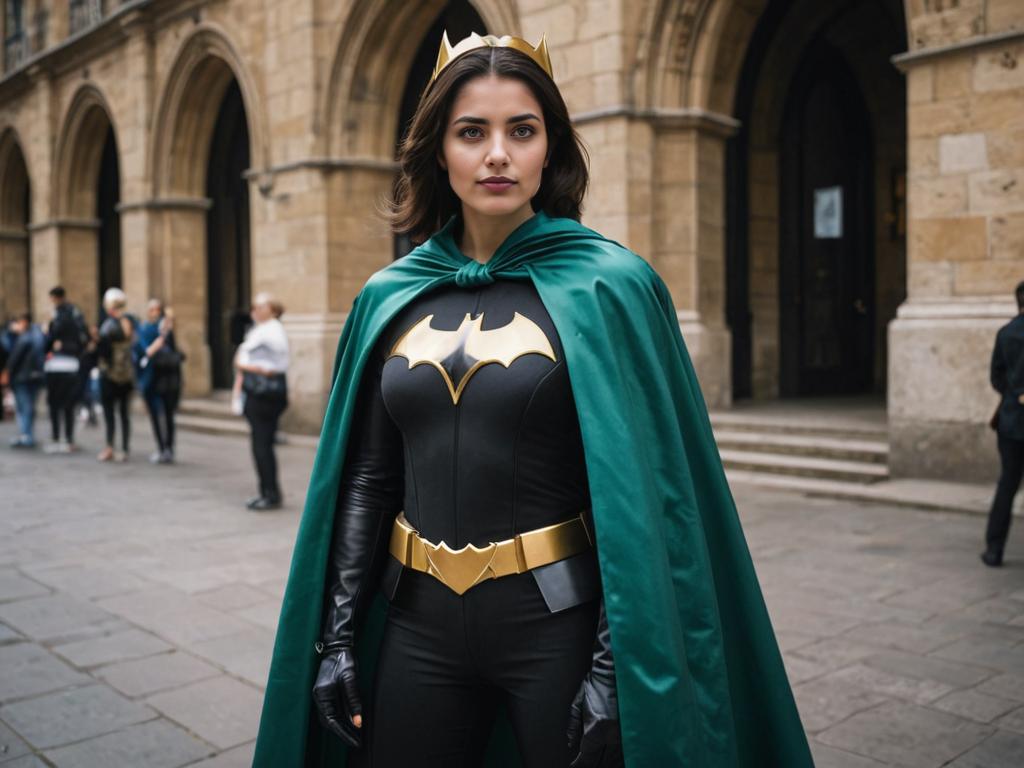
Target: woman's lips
<point x="496" y="185"/>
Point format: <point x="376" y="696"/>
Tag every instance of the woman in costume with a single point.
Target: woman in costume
<point x="518" y="546"/>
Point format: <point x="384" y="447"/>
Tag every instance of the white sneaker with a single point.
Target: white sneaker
<point x="52" y="448"/>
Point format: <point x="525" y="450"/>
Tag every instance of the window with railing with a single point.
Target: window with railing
<point x="15" y="41"/>
<point x="83" y="14"/>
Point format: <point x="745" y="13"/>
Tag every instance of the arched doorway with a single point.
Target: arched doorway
<point x="815" y="243"/>
<point x="459" y="18"/>
<point x="15" y="215"/>
<point x="108" y="195"/>
<point x="228" y="265"/>
<point x="87" y="199"/>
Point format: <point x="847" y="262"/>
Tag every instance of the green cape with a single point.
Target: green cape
<point x="700" y="679"/>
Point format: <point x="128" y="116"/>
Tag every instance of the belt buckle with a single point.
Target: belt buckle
<point x="459" y="569"/>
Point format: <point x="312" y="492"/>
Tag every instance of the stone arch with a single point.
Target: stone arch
<point x="203" y="68"/>
<point x="79" y="151"/>
<point x="370" y="68"/>
<point x="15" y="215"/>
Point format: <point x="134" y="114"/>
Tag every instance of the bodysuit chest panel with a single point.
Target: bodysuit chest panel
<point x="475" y="379"/>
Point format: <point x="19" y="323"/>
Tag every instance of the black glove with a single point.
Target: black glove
<point x="594" y="737"/>
<point x="336" y="694"/>
<point x="369" y="499"/>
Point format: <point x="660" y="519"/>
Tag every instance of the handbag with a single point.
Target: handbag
<point x="167" y="359"/>
<point x="262" y="385"/>
<point x="58" y="363"/>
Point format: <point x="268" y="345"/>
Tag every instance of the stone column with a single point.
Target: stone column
<point x="965" y="253"/>
<point x="14" y="275"/>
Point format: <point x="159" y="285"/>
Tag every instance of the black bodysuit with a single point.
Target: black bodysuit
<point x="474" y="456"/>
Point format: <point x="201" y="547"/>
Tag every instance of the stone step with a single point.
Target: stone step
<point x="809" y="425"/>
<point x="917" y="494"/>
<point x="207" y="407"/>
<point x="235" y="426"/>
<point x="824" y="447"/>
<point x="804" y="466"/>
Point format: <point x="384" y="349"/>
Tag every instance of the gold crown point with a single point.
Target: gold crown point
<point x="448" y="53"/>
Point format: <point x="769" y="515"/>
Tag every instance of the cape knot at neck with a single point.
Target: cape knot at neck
<point x="472" y="274"/>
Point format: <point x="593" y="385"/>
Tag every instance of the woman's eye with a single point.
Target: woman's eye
<point x="466" y="132"/>
<point x="522" y="131"/>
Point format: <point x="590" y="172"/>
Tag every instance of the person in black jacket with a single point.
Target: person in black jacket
<point x="25" y="371"/>
<point x="1007" y="377"/>
<point x="65" y="343"/>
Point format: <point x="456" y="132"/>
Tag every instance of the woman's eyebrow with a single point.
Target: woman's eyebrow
<point x="484" y="121"/>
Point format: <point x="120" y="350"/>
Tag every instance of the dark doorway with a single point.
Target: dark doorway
<point x="460" y="19"/>
<point x="826" y="254"/>
<point x="229" y="278"/>
<point x="108" y="195"/>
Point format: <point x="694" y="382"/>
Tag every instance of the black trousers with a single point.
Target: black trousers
<point x="116" y="395"/>
<point x="161" y="407"/>
<point x="263" y="414"/>
<point x="1011" y="457"/>
<point x="447" y="661"/>
<point x="61" y="396"/>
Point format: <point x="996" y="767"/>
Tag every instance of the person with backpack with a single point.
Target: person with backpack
<point x="25" y="373"/>
<point x="66" y="338"/>
<point x="117" y="379"/>
<point x="158" y="373"/>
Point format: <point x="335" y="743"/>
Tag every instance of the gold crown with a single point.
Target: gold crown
<point x="447" y="54"/>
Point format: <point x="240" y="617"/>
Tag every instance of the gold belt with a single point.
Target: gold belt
<point x="464" y="568"/>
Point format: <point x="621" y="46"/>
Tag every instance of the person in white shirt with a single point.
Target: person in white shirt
<point x="261" y="365"/>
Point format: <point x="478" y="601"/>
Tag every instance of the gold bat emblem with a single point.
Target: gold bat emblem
<point x="469" y="347"/>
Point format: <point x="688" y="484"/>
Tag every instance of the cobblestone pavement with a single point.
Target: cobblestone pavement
<point x="138" y="603"/>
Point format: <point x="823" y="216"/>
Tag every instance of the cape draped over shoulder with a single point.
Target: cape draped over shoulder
<point x="700" y="678"/>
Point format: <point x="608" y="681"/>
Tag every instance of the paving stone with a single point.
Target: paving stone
<point x="7" y="634"/>
<point x="837" y="652"/>
<point x="239" y="757"/>
<point x="14" y="586"/>
<point x="28" y="670"/>
<point x="890" y="684"/>
<point x="27" y="761"/>
<point x="89" y="581"/>
<point x="221" y="710"/>
<point x="825" y="702"/>
<point x="974" y="705"/>
<point x="265" y="614"/>
<point x="232" y="597"/>
<point x="828" y="757"/>
<point x="928" y="668"/>
<point x="1006" y="686"/>
<point x="913" y="638"/>
<point x="245" y="654"/>
<point x="1006" y="655"/>
<point x="10" y="745"/>
<point x="1001" y="749"/>
<point x="156" y="744"/>
<point x="905" y="734"/>
<point x="61" y="718"/>
<point x="150" y="675"/>
<point x="174" y="616"/>
<point x="120" y="646"/>
<point x="52" y="617"/>
<point x="1013" y="721"/>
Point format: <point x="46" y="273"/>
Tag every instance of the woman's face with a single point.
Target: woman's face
<point x="260" y="312"/>
<point x="495" y="146"/>
<point x="152" y="311"/>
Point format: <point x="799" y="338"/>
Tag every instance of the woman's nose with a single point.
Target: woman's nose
<point x="496" y="153"/>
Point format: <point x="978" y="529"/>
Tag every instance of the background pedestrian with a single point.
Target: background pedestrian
<point x="117" y="334"/>
<point x="25" y="374"/>
<point x="1007" y="377"/>
<point x="158" y="373"/>
<point x="66" y="338"/>
<point x="261" y="363"/>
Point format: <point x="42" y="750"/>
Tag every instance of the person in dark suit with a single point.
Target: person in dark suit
<point x="1007" y="377"/>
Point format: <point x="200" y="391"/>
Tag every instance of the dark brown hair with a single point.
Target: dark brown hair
<point x="424" y="200"/>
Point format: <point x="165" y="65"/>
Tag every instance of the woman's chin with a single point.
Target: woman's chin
<point x="496" y="207"/>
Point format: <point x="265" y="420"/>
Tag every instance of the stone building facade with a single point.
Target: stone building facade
<point x="832" y="189"/>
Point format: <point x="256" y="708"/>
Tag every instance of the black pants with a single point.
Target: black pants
<point x="263" y="414"/>
<point x="447" y="661"/>
<point x="161" y="407"/>
<point x="1011" y="456"/>
<point x="61" y="396"/>
<point x="116" y="395"/>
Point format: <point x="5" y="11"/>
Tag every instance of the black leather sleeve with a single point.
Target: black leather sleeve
<point x="369" y="498"/>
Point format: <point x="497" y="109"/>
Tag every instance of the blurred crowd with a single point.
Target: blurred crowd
<point x="88" y="370"/>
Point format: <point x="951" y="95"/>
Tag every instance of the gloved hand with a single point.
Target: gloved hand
<point x="336" y="694"/>
<point x="595" y="740"/>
